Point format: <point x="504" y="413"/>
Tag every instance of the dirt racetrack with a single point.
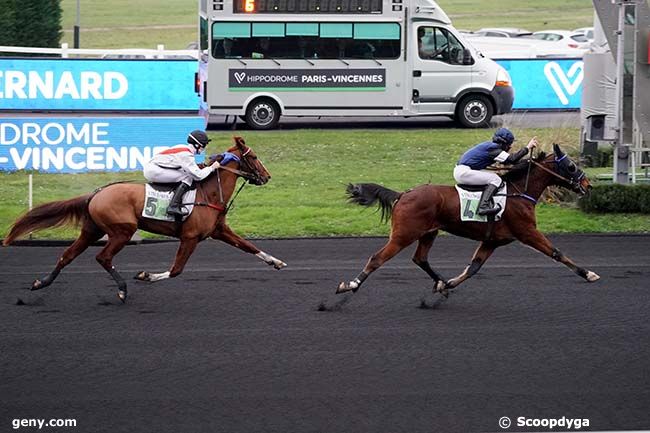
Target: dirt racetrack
<point x="235" y="346"/>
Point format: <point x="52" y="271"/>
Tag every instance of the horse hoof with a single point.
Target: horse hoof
<point x="592" y="277"/>
<point x="442" y="288"/>
<point x="343" y="287"/>
<point x="279" y="265"/>
<point x="122" y="295"/>
<point x="142" y="276"/>
<point x="37" y="285"/>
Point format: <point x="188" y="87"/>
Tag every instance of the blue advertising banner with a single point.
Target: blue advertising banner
<point x="79" y="145"/>
<point x="70" y="84"/>
<point x="546" y="84"/>
<point x="100" y="84"/>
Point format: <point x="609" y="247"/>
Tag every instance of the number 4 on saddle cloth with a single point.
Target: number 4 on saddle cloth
<point x="157" y="198"/>
<point x="470" y="196"/>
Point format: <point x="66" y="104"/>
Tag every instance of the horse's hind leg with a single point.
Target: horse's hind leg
<point x="394" y="246"/>
<point x="420" y="257"/>
<point x="537" y="240"/>
<point x="89" y="234"/>
<point x="116" y="241"/>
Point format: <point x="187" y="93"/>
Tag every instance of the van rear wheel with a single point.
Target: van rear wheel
<point x="263" y="114"/>
<point x="474" y="111"/>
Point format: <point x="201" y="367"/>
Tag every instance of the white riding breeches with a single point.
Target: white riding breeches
<point x="465" y="175"/>
<point x="154" y="173"/>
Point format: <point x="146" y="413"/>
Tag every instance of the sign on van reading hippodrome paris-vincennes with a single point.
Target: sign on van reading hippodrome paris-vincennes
<point x="307" y="79"/>
<point x="97" y="84"/>
<point x="97" y="144"/>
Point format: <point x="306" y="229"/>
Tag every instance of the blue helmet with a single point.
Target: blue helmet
<point x="504" y="137"/>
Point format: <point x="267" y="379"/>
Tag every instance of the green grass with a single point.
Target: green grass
<point x="310" y="170"/>
<point x="129" y="24"/>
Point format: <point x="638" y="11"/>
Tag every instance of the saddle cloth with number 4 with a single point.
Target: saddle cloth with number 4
<point x="469" y="201"/>
<point x="157" y="198"/>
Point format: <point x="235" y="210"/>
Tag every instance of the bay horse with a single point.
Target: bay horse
<point x="418" y="214"/>
<point x="116" y="210"/>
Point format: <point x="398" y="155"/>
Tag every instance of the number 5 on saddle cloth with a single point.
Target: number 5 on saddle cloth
<point x="469" y="201"/>
<point x="157" y="198"/>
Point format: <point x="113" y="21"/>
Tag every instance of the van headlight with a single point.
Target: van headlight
<point x="503" y="78"/>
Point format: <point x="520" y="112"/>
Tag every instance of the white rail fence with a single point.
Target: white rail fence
<point x="495" y="48"/>
<point x="124" y="53"/>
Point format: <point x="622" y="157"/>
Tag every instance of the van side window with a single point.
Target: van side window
<point x="435" y="43"/>
<point x="308" y="40"/>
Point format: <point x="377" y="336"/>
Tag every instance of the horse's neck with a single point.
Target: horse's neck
<point x="220" y="186"/>
<point x="538" y="181"/>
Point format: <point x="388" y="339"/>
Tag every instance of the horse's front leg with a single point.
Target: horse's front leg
<point x="482" y="253"/>
<point x="538" y="241"/>
<point x="225" y="234"/>
<point x="185" y="250"/>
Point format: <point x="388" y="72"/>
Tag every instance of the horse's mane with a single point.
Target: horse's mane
<point x="520" y="169"/>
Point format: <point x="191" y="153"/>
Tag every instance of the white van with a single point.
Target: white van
<point x="263" y="59"/>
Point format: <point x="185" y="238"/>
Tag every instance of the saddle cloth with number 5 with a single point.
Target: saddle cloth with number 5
<point x="157" y="198"/>
<point x="469" y="201"/>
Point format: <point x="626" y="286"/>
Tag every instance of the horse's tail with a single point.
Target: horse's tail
<point x="367" y="194"/>
<point x="53" y="214"/>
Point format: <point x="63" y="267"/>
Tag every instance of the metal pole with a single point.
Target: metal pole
<point x="30" y="195"/>
<point x="621" y="160"/>
<point x="76" y="28"/>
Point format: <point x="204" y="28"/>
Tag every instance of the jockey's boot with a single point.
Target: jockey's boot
<point x="175" y="204"/>
<point x="486" y="205"/>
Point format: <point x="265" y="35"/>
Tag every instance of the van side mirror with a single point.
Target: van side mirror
<point x="467" y="57"/>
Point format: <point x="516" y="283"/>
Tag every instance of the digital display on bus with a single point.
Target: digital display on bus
<point x="307" y="6"/>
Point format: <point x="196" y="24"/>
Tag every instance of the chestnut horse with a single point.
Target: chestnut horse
<point x="116" y="210"/>
<point x="418" y="215"/>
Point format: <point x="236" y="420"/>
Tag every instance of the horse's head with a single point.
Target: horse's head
<point x="252" y="168"/>
<point x="569" y="174"/>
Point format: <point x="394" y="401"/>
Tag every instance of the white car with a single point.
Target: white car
<point x="563" y="38"/>
<point x="502" y="32"/>
<point x="588" y="32"/>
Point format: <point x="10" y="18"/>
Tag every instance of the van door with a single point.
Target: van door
<point x="438" y="70"/>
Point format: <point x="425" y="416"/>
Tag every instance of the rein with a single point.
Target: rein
<point x="569" y="181"/>
<point x="221" y="206"/>
<point x="245" y="174"/>
<point x="531" y="161"/>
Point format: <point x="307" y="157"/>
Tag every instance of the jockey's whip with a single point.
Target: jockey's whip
<point x="530" y="164"/>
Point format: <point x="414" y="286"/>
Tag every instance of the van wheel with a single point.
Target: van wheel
<point x="263" y="114"/>
<point x="474" y="111"/>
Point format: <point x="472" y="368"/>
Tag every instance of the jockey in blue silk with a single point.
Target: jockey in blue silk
<point x="469" y="170"/>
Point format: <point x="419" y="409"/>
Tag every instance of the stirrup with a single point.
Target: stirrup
<point x="176" y="211"/>
<point x="491" y="211"/>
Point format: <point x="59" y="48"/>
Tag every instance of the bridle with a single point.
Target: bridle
<point x="574" y="182"/>
<point x="249" y="173"/>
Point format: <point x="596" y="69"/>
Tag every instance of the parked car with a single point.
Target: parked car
<point x="563" y="38"/>
<point x="502" y="32"/>
<point x="588" y="32"/>
<point x="521" y="48"/>
<point x="144" y="54"/>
